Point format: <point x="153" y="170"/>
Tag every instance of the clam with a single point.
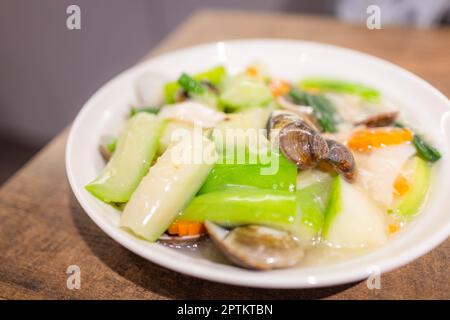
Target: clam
<point x="379" y="120"/>
<point x="302" y="145"/>
<point x="177" y="240"/>
<point x="104" y="152"/>
<point x="307" y="148"/>
<point x="256" y="247"/>
<point x="303" y="112"/>
<point x="181" y="95"/>
<point x="340" y="157"/>
<point x="278" y="120"/>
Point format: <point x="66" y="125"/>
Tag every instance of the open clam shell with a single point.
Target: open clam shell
<point x="257" y="247"/>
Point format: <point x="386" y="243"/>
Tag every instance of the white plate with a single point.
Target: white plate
<point x="423" y="105"/>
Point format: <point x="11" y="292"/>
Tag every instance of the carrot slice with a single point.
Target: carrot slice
<point x="368" y="139"/>
<point x="252" y="71"/>
<point x="393" y="228"/>
<point x="279" y="87"/>
<point x="173" y="228"/>
<point x="186" y="228"/>
<point x="401" y="186"/>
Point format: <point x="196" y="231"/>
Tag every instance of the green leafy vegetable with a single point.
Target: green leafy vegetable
<point x="111" y="146"/>
<point x="153" y="110"/>
<point x="335" y="85"/>
<point x="190" y="84"/>
<point x="215" y="76"/>
<point x="323" y="110"/>
<point x="198" y="91"/>
<point x="425" y="150"/>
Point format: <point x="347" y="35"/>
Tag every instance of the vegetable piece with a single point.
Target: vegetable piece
<point x="225" y="175"/>
<point x="208" y="99"/>
<point x="393" y="228"/>
<point x="172" y="133"/>
<point x="153" y="110"/>
<point x="279" y="87"/>
<point x="186" y="228"/>
<point x="368" y="139"/>
<point x="251" y="118"/>
<point x="378" y="171"/>
<point x="334" y="85"/>
<point x="401" y="185"/>
<point x="111" y="145"/>
<point x="193" y="112"/>
<point x="106" y="154"/>
<point x="323" y="110"/>
<point x="408" y="205"/>
<point x="107" y="148"/>
<point x="136" y="147"/>
<point x="242" y="206"/>
<point x="243" y="92"/>
<point x="149" y="89"/>
<point x="198" y="91"/>
<point x="190" y="85"/>
<point x="312" y="201"/>
<point x="257" y="70"/>
<point x="351" y="218"/>
<point x="424" y="149"/>
<point x="233" y="130"/>
<point x="168" y="187"/>
<point x="215" y="76"/>
<point x="252" y="71"/>
<point x="301" y="213"/>
<point x="310" y="177"/>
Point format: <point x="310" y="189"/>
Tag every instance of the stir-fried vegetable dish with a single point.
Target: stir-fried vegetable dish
<point x="267" y="170"/>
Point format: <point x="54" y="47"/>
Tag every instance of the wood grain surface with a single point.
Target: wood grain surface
<point x="43" y="230"/>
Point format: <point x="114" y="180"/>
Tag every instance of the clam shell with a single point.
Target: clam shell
<point x="257" y="247"/>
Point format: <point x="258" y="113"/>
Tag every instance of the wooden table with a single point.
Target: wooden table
<point x="43" y="230"/>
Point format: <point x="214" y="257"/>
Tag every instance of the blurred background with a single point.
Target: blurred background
<point x="47" y="72"/>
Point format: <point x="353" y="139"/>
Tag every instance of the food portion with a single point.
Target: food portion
<point x="132" y="157"/>
<point x="264" y="171"/>
<point x="153" y="206"/>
